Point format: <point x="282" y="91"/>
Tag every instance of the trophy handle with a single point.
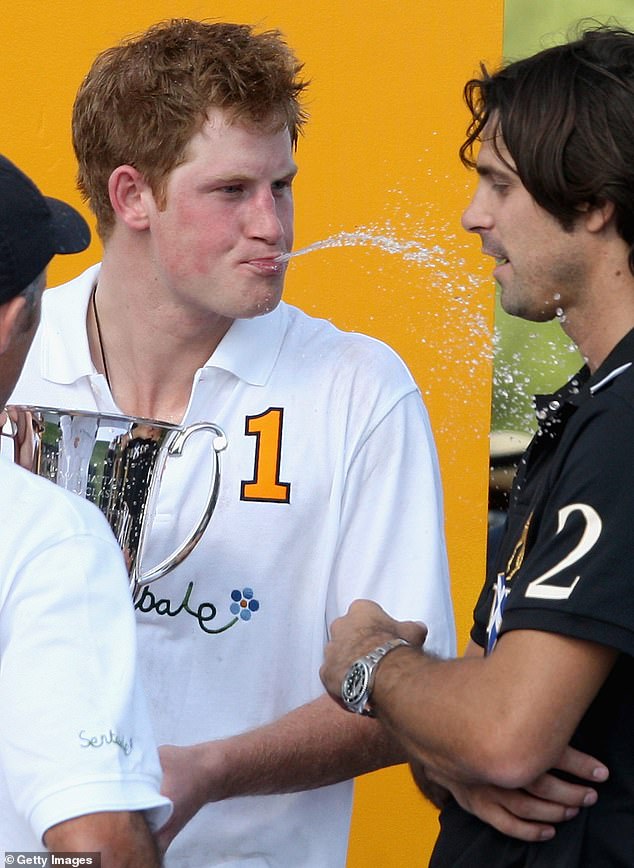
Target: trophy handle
<point x="175" y="447"/>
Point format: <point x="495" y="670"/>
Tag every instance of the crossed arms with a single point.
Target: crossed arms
<point x="488" y="729"/>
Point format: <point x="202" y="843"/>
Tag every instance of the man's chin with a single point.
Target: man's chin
<point x="521" y="309"/>
<point x="262" y="307"/>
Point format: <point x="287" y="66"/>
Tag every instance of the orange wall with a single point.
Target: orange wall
<point x="380" y="153"/>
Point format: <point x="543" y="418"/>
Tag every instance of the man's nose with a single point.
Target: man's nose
<point x="477" y="215"/>
<point x="264" y="219"/>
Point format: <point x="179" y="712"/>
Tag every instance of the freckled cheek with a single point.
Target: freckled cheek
<point x="190" y="259"/>
<point x="198" y="251"/>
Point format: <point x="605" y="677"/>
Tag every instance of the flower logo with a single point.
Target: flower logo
<point x="244" y="603"/>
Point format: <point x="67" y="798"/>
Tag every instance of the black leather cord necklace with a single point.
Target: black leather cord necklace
<point x="99" y="338"/>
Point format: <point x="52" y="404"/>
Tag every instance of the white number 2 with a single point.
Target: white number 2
<point x="541" y="591"/>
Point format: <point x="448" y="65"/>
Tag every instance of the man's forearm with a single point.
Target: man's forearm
<point x="122" y="838"/>
<point x="313" y="746"/>
<point x="501" y="720"/>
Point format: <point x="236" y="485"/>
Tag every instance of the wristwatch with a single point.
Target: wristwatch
<point x="357" y="684"/>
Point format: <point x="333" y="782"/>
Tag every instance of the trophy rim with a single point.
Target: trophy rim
<point x="99" y="415"/>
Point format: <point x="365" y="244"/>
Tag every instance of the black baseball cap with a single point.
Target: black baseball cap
<point x="33" y="228"/>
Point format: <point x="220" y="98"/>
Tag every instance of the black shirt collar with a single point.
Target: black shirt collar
<point x="583" y="385"/>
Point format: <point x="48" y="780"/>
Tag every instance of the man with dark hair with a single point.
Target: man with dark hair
<point x="330" y="487"/>
<point x="78" y="766"/>
<point x="550" y="662"/>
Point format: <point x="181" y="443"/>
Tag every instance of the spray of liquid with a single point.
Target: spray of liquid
<point x="512" y="386"/>
<point x="449" y="278"/>
<point x="411" y="250"/>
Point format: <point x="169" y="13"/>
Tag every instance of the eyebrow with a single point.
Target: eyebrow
<point x="488" y="168"/>
<point x="241" y="177"/>
<point x="501" y="170"/>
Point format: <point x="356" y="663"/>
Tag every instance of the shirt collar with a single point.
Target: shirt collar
<point x="65" y="351"/>
<point x="584" y="385"/>
<point x="617" y="362"/>
<point x="251" y="346"/>
<point x="248" y="350"/>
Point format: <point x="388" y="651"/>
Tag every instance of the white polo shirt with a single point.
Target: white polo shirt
<point x="330" y="491"/>
<point x="74" y="732"/>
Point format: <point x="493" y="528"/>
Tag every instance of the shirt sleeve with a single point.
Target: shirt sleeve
<point x="392" y="542"/>
<point x="74" y="732"/>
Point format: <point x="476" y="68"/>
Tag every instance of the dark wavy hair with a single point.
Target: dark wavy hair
<point x="566" y="117"/>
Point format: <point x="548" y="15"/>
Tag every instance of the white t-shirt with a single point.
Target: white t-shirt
<point x="74" y="732"/>
<point x="330" y="491"/>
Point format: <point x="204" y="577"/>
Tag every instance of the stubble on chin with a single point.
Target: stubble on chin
<point x="517" y="304"/>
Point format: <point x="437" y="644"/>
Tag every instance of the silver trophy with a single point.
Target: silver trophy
<point x="117" y="462"/>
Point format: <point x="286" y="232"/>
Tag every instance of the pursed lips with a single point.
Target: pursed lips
<point x="269" y="264"/>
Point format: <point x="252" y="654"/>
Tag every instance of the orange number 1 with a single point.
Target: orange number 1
<point x="266" y="485"/>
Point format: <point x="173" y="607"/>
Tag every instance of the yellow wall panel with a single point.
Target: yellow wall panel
<point x="379" y="156"/>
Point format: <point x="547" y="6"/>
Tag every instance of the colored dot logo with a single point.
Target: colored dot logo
<point x="243" y="603"/>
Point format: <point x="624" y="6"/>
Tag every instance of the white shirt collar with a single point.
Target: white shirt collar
<point x="251" y="346"/>
<point x="65" y="354"/>
<point x="248" y="350"/>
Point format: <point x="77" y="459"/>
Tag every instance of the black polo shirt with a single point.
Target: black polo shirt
<point x="566" y="565"/>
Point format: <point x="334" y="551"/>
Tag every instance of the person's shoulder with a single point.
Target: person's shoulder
<point x="33" y="501"/>
<point x="348" y="350"/>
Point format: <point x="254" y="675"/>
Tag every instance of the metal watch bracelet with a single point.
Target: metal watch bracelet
<point x="358" y="682"/>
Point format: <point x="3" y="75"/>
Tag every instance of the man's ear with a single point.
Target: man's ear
<point x="10" y="315"/>
<point x="597" y="218"/>
<point x="128" y="189"/>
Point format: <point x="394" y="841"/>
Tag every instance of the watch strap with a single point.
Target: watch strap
<point x="370" y="660"/>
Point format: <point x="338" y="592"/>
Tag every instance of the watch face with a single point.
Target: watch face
<point x="355" y="683"/>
